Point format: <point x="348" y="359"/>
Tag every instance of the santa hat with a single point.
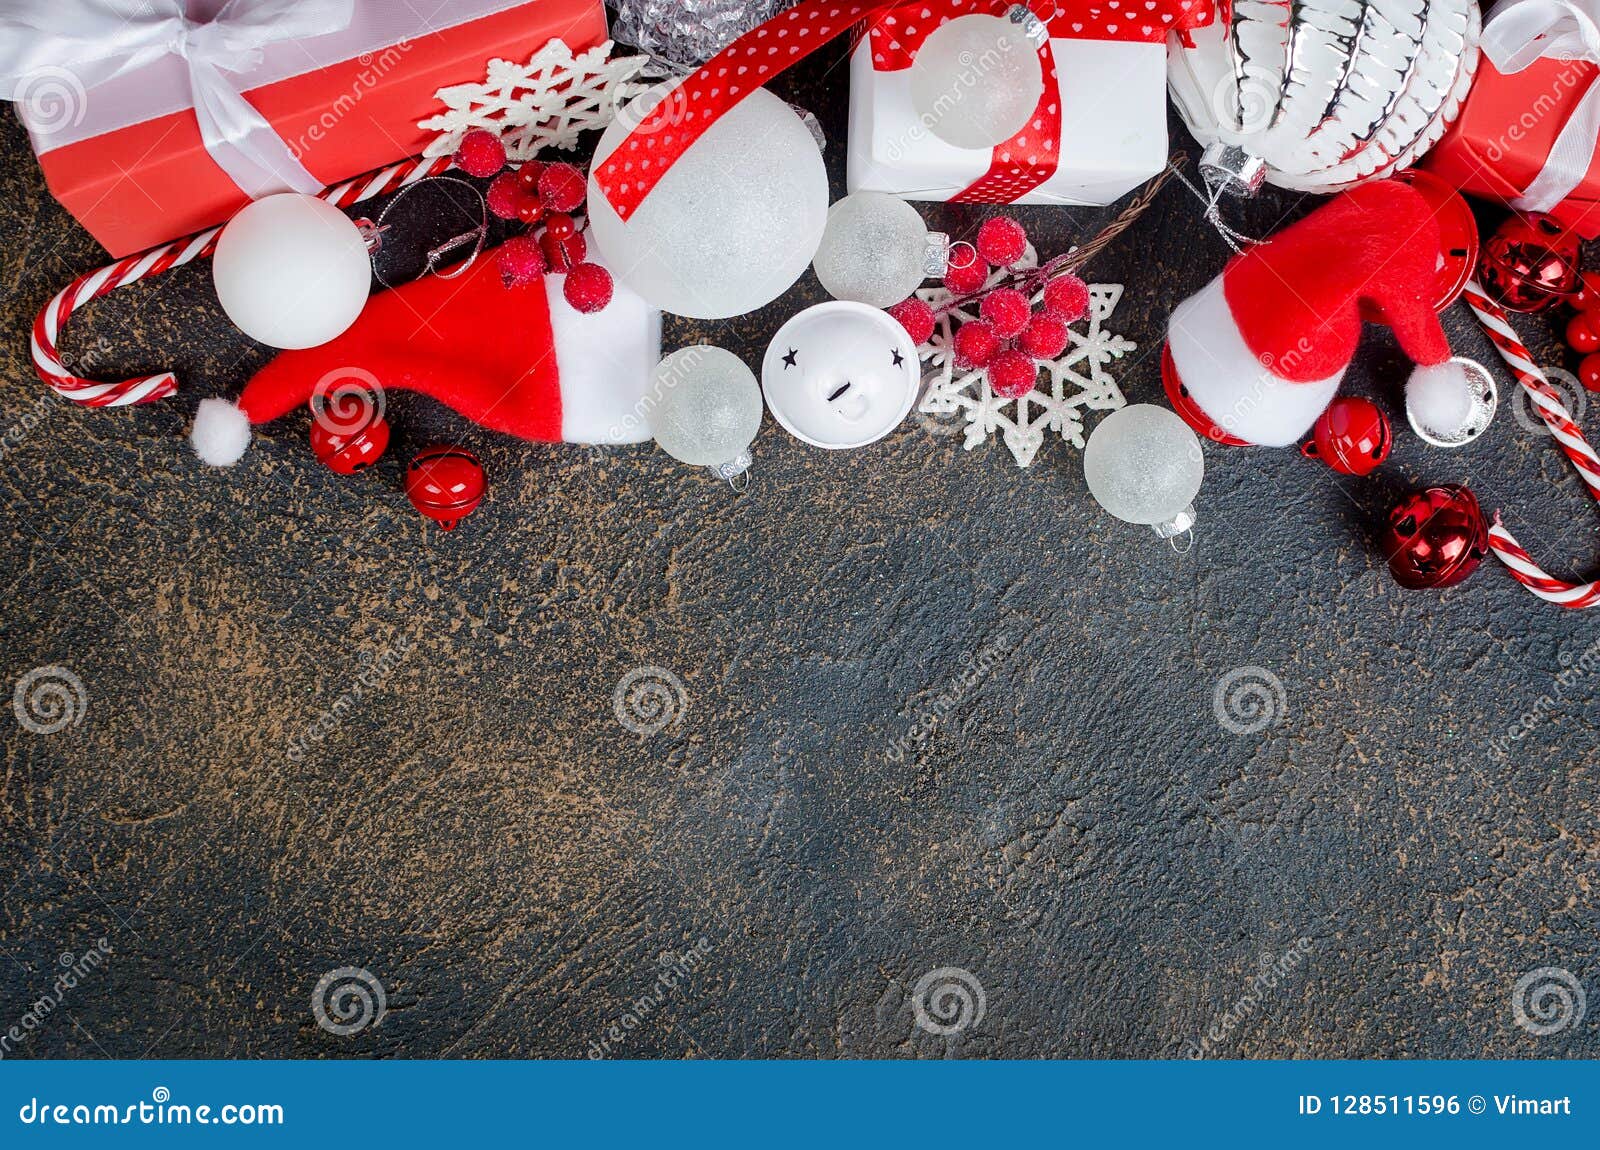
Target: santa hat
<point x="1258" y="353"/>
<point x="515" y="359"/>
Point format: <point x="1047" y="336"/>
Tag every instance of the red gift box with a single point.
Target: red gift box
<point x="1526" y="134"/>
<point x="345" y="103"/>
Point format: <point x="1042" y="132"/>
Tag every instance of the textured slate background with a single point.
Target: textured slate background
<point x="482" y="835"/>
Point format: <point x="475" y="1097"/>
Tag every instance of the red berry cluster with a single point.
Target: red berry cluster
<point x="1583" y="329"/>
<point x="542" y="196"/>
<point x="1010" y="336"/>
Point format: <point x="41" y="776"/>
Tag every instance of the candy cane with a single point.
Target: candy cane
<point x="86" y="288"/>
<point x="1547" y="401"/>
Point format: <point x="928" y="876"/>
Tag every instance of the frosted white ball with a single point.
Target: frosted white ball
<point x="731" y="225"/>
<point x="872" y="249"/>
<point x="975" y="81"/>
<point x="1143" y="464"/>
<point x="707" y="406"/>
<point x="291" y="271"/>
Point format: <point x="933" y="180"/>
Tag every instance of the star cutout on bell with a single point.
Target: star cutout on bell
<point x="788" y="360"/>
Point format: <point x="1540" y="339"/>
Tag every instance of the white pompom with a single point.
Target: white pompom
<point x="1439" y="399"/>
<point x="221" y="433"/>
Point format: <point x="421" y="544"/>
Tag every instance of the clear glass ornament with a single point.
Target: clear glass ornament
<point x="875" y="249"/>
<point x="976" y="80"/>
<point x="1144" y="465"/>
<point x="688" y="32"/>
<point x="707" y="409"/>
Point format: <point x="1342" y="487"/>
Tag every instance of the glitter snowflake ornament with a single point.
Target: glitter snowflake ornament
<point x="1076" y="381"/>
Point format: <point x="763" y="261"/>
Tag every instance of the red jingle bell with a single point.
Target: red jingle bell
<point x="446" y="484"/>
<point x="1529" y="263"/>
<point x="1436" y="537"/>
<point x="348" y="433"/>
<point x="1352" y="436"/>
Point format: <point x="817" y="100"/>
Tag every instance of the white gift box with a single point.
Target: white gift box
<point x="1113" y="128"/>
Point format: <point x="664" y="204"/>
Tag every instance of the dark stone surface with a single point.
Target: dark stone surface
<point x="479" y="832"/>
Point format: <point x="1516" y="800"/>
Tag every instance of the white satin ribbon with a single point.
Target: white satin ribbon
<point x="1519" y="32"/>
<point x="89" y="42"/>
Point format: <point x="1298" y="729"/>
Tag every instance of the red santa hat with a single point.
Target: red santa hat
<point x="515" y="359"/>
<point x="1257" y="354"/>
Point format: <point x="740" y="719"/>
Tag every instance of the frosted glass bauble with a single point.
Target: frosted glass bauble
<point x="975" y="81"/>
<point x="732" y="224"/>
<point x="1143" y="464"/>
<point x="291" y="271"/>
<point x="707" y="408"/>
<point x="873" y="250"/>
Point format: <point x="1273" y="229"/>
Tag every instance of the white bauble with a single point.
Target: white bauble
<point x="1144" y="465"/>
<point x="731" y="225"/>
<point x="976" y="80"/>
<point x="707" y="410"/>
<point x="874" y="250"/>
<point x="292" y="271"/>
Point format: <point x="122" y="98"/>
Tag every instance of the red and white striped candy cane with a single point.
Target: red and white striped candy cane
<point x="1547" y="401"/>
<point x="84" y="289"/>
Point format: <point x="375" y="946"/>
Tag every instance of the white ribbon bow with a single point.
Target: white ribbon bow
<point x="1519" y="32"/>
<point x="93" y="41"/>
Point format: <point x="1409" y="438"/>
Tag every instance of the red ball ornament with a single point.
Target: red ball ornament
<point x="1529" y="263"/>
<point x="1001" y="241"/>
<point x="346" y="448"/>
<point x="563" y="254"/>
<point x="505" y="195"/>
<point x="1012" y="374"/>
<point x="528" y="175"/>
<point x="1436" y="537"/>
<point x="1589" y="372"/>
<point x="916" y="317"/>
<point x="562" y="187"/>
<point x="1067" y="298"/>
<point x="480" y="153"/>
<point x="975" y="344"/>
<point x="587" y="288"/>
<point x="446" y="484"/>
<point x="964" y="279"/>
<point x="1352" y="436"/>
<point x="1583" y="333"/>
<point x="1045" y="337"/>
<point x="521" y="261"/>
<point x="1006" y="309"/>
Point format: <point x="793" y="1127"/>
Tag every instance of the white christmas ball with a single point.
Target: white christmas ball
<point x="708" y="408"/>
<point x="731" y="225"/>
<point x="975" y="81"/>
<point x="291" y="271"/>
<point x="872" y="249"/>
<point x="1143" y="464"/>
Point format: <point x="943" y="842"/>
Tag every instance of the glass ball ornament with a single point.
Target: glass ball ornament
<point x="731" y="225"/>
<point x="708" y="409"/>
<point x="292" y="271"/>
<point x="976" y="81"/>
<point x="1144" y="465"/>
<point x="876" y="250"/>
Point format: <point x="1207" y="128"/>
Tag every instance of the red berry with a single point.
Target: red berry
<point x="480" y="153"/>
<point x="588" y="288"/>
<point x="563" y="254"/>
<point x="560" y="225"/>
<point x="1012" y="374"/>
<point x="529" y="209"/>
<point x="1589" y="372"/>
<point x="1002" y="241"/>
<point x="916" y="317"/>
<point x="975" y="344"/>
<point x="1007" y="309"/>
<point x="562" y="187"/>
<point x="966" y="278"/>
<point x="1583" y="333"/>
<point x="528" y="175"/>
<point x="1587" y="297"/>
<point x="1045" y="337"/>
<point x="520" y="261"/>
<point x="1067" y="298"/>
<point x="505" y="195"/>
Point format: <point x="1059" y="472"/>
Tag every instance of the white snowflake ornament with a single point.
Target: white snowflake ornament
<point x="1075" y="382"/>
